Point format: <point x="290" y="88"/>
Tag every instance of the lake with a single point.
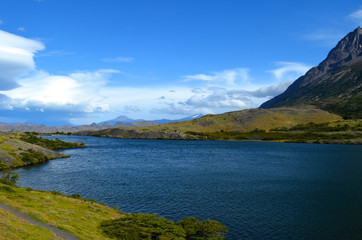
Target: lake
<point x="259" y="190"/>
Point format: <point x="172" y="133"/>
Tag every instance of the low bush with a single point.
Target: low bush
<point x="149" y="226"/>
<point x="8" y="177"/>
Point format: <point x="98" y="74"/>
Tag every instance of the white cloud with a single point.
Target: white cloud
<point x="205" y="101"/>
<point x="5" y="102"/>
<point x="118" y="59"/>
<point x="216" y="98"/>
<point x="200" y="77"/>
<point x="16" y="58"/>
<point x="231" y="90"/>
<point x="270" y="91"/>
<point x="357" y="14"/>
<point x="227" y="77"/>
<point x="179" y="109"/>
<point x="77" y="92"/>
<point x="289" y="70"/>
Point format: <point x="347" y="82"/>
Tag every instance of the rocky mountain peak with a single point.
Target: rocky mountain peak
<point x="349" y="48"/>
<point x="347" y="52"/>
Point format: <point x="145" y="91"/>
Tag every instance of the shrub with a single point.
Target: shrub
<point x="76" y="196"/>
<point x="5" y="188"/>
<point x="202" y="230"/>
<point x="149" y="226"/>
<point x="136" y="226"/>
<point x="8" y="177"/>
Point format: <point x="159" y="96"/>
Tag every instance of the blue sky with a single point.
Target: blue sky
<point x="66" y="61"/>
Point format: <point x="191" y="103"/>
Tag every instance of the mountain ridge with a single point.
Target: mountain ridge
<point x="334" y="85"/>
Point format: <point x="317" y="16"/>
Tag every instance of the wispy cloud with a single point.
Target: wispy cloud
<point x="21" y="29"/>
<point x="357" y="14"/>
<point x="289" y="70"/>
<point x="1" y="22"/>
<point x="228" y="77"/>
<point x="118" y="59"/>
<point x="55" y="53"/>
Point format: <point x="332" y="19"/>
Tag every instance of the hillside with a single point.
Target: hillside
<point x="226" y="126"/>
<point x="18" y="149"/>
<point x="250" y="119"/>
<point x="334" y="85"/>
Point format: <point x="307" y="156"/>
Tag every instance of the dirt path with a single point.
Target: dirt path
<point x="56" y="231"/>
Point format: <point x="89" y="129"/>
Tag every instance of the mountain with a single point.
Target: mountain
<point x="124" y="121"/>
<point x="121" y="119"/>
<point x="335" y="85"/>
<point x="195" y="116"/>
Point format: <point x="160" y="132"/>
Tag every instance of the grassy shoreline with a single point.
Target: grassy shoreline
<point x="89" y="220"/>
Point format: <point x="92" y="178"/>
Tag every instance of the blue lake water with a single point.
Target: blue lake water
<point x="259" y="190"/>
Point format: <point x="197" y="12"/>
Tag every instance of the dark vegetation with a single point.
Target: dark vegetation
<point x="33" y="157"/>
<point x="148" y="226"/>
<point x="56" y="144"/>
<point x="302" y="133"/>
<point x="8" y="177"/>
<point x="322" y="127"/>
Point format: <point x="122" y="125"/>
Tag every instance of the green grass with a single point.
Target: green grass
<point x="341" y="132"/>
<point x="19" y="149"/>
<point x="14" y="228"/>
<point x="77" y="216"/>
<point x="89" y="220"/>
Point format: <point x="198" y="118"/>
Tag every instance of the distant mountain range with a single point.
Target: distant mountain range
<point x="335" y="85"/>
<point x="121" y="121"/>
<point x="124" y="121"/>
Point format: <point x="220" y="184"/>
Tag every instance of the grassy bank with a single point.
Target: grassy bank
<point x="89" y="220"/>
<point x="22" y="149"/>
<point x="77" y="216"/>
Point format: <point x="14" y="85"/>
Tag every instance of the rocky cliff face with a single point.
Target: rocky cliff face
<point x="334" y="85"/>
